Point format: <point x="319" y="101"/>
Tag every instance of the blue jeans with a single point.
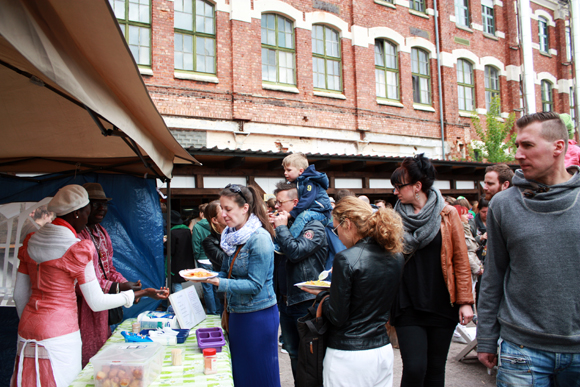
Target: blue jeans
<point x="212" y="303"/>
<point x="289" y="316"/>
<point x="304" y="218"/>
<point x="176" y="287"/>
<point x="523" y="366"/>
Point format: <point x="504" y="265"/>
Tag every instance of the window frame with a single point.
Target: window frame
<point x="488" y="21"/>
<point x="386" y="69"/>
<point x="573" y="106"/>
<point x="194" y="34"/>
<point x="413" y="4"/>
<point x="543" y="37"/>
<point x="464" y="6"/>
<point x="488" y="89"/>
<point x="466" y="86"/>
<point x="277" y="49"/>
<point x="550" y="93"/>
<point x="124" y="24"/>
<point x="421" y="76"/>
<point x="569" y="49"/>
<point x="327" y="58"/>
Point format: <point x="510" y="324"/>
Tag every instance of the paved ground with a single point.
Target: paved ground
<point x="458" y="374"/>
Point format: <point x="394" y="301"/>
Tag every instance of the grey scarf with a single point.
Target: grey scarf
<point x="421" y="228"/>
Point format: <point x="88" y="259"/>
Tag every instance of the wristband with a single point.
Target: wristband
<point x="117" y="287"/>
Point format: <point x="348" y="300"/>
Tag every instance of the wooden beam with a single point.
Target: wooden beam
<point x="354" y="166"/>
<point x="386" y="167"/>
<point x="234" y="162"/>
<point x="321" y="165"/>
<point x="275" y="164"/>
<point x="443" y="169"/>
<point x="464" y="171"/>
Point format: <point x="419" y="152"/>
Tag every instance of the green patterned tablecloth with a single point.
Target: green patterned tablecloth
<point x="190" y="374"/>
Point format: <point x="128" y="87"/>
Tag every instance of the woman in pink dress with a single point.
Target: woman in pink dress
<point x="94" y="326"/>
<point x="52" y="260"/>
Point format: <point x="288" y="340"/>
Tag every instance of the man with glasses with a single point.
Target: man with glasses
<point x="303" y="259"/>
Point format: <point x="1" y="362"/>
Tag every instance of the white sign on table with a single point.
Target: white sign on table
<point x="188" y="308"/>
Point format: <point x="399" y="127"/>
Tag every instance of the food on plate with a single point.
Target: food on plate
<point x="202" y="274"/>
<point x="325" y="284"/>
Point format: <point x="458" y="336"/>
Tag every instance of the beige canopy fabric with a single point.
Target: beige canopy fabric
<point x="60" y="59"/>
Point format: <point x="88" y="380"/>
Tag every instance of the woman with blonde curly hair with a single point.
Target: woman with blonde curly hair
<point x="365" y="279"/>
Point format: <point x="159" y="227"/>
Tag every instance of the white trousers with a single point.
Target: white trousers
<point x="371" y="367"/>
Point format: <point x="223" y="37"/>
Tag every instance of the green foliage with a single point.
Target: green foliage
<point x="497" y="145"/>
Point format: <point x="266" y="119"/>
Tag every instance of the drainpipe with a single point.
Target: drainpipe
<point x="439" y="80"/>
<point x="575" y="33"/>
<point x="529" y="92"/>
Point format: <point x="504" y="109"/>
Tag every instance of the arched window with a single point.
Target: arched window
<point x="134" y="17"/>
<point x="278" y="52"/>
<point x="491" y="85"/>
<point x="387" y="70"/>
<point x="421" y="76"/>
<point x="194" y="28"/>
<point x="465" y="85"/>
<point x="547" y="99"/>
<point x="543" y="34"/>
<point x="326" y="58"/>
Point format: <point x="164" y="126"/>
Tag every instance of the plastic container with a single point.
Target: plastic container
<point x="157" y="319"/>
<point x="128" y="364"/>
<point x="209" y="361"/>
<point x="210" y="338"/>
<point x="181" y="336"/>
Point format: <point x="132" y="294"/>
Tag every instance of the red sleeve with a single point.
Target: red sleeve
<point x="77" y="257"/>
<point x="23" y="256"/>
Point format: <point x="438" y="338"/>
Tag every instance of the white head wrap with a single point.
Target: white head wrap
<point x="68" y="198"/>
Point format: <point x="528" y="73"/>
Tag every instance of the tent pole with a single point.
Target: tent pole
<point x="168" y="206"/>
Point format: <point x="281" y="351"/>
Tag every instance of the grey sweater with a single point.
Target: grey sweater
<point x="530" y="289"/>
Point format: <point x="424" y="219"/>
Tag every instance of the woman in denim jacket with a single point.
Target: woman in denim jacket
<point x="251" y="302"/>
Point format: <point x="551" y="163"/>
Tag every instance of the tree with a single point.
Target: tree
<point x="497" y="146"/>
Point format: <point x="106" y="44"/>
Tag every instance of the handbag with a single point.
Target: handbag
<point x="115" y="314"/>
<point x="312" y="330"/>
<point x="226" y="314"/>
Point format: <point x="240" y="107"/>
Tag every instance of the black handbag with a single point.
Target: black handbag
<point x="312" y="345"/>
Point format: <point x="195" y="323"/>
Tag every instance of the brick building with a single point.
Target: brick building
<point x="347" y="77"/>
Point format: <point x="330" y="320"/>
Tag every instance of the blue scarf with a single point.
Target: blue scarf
<point x="231" y="238"/>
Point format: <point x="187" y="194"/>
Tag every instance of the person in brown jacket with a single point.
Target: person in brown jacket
<point x="435" y="292"/>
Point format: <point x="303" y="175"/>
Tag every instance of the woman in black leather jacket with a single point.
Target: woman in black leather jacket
<point x="365" y="279"/>
<point x="211" y="244"/>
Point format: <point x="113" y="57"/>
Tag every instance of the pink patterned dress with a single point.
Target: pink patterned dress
<point x="94" y="325"/>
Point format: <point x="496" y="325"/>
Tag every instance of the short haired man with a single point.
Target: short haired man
<point x="497" y="178"/>
<point x="304" y="259"/>
<point x="380" y="203"/>
<point x="530" y="289"/>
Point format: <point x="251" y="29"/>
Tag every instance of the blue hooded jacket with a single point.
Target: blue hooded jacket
<point x="312" y="186"/>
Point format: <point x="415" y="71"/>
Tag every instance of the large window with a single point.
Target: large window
<point x="194" y="36"/>
<point x="326" y="58"/>
<point x="386" y="69"/>
<point x="572" y="106"/>
<point x="488" y="17"/>
<point x="465" y="85"/>
<point x="277" y="50"/>
<point x="134" y="17"/>
<point x="417" y="5"/>
<point x="547" y="99"/>
<point x="421" y="76"/>
<point x="491" y="85"/>
<point x="568" y="44"/>
<point x="543" y="34"/>
<point x="462" y="13"/>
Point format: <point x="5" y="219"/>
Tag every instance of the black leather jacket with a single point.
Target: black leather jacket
<point x="305" y="258"/>
<point x="213" y="252"/>
<point x="365" y="279"/>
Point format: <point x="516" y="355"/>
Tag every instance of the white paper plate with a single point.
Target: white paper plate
<point x="188" y="272"/>
<point x="315" y="287"/>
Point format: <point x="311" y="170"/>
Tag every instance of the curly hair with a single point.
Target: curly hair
<point x="384" y="226"/>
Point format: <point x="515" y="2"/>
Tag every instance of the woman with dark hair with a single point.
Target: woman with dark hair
<point x="435" y="292"/>
<point x="364" y="282"/>
<point x="251" y="301"/>
<point x="211" y="245"/>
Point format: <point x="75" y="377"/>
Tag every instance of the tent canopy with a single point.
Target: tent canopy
<point x="72" y="98"/>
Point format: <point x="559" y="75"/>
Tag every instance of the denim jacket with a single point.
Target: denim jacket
<point x="251" y="287"/>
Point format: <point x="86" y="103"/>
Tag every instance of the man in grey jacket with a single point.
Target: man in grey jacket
<point x="530" y="292"/>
